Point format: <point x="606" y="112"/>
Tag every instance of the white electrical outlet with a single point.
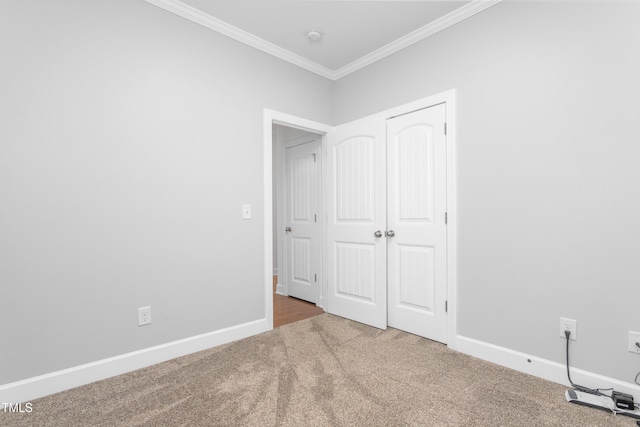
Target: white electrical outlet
<point x="634" y="340"/>
<point x="144" y="316"/>
<point x="569" y="325"/>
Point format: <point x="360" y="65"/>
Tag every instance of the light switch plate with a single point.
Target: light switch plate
<point x="246" y="211"/>
<point x="634" y="337"/>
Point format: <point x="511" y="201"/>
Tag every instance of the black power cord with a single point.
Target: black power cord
<point x="636" y="380"/>
<point x="582" y="388"/>
<point x="596" y="391"/>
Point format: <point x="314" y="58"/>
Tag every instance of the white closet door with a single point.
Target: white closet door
<point x="301" y="221"/>
<point x="417" y="254"/>
<point x="356" y="210"/>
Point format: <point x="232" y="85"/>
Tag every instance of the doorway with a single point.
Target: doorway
<point x="297" y="213"/>
<point x="295" y="127"/>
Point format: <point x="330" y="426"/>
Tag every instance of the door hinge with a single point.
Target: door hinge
<point x="446" y="306"/>
<point x="445" y="128"/>
<point x="315" y="217"/>
<point x="446" y="218"/>
<point x="314" y="157"/>
<point x="315" y="277"/>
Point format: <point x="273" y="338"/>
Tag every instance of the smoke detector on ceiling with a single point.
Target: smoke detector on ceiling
<point x="314" y="35"/>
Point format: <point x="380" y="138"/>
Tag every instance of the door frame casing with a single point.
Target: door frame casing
<point x="270" y="118"/>
<point x="449" y="99"/>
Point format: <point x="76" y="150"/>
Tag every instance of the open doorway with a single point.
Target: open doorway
<point x="296" y="211"/>
<point x="282" y="131"/>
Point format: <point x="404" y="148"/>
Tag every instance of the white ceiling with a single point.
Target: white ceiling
<point x="356" y="33"/>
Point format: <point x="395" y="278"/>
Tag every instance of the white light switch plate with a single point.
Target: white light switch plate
<point x="246" y="211"/>
<point x="634" y="337"/>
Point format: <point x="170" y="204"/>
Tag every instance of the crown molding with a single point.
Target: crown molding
<point x="215" y="24"/>
<point x="442" y="23"/>
<point x="199" y="17"/>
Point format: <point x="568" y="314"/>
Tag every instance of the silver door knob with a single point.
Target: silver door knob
<point x="390" y="233"/>
<point x="378" y="234"/>
<point x="287" y="229"/>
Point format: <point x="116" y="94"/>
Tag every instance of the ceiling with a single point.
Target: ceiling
<point x="355" y="33"/>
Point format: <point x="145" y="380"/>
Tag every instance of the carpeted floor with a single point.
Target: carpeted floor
<point x="323" y="371"/>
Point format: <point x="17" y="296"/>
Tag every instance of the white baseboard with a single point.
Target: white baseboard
<point x="280" y="290"/>
<point x="43" y="385"/>
<point x="541" y="368"/>
<point x="54" y="382"/>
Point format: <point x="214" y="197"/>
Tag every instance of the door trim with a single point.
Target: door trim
<point x="448" y="97"/>
<point x="271" y="117"/>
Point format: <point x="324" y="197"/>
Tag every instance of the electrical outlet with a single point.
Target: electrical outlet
<point x="144" y="316"/>
<point x="568" y="325"/>
<point x="634" y="340"/>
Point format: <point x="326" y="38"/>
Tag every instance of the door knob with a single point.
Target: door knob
<point x="287" y="229"/>
<point x="378" y="234"/>
<point x="390" y="233"/>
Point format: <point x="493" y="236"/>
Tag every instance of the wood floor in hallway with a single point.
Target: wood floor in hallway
<point x="289" y="309"/>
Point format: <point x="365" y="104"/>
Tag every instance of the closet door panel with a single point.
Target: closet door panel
<point x="416" y="194"/>
<point x="356" y="206"/>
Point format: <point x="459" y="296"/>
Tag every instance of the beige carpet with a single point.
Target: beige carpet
<point x="323" y="371"/>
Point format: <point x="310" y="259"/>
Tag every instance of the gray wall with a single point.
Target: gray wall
<point x="549" y="170"/>
<point x="129" y="139"/>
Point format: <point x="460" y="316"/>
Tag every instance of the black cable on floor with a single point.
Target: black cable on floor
<point x="584" y="389"/>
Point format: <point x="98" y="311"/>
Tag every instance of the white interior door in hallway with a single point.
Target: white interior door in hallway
<point x="301" y="221"/>
<point x="387" y="236"/>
